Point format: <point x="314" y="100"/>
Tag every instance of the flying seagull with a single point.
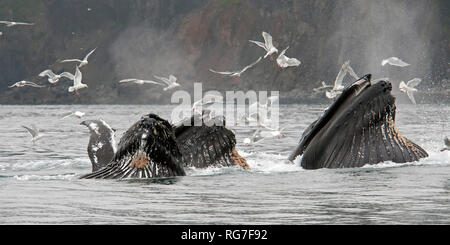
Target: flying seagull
<point x="25" y="83"/>
<point x="207" y="100"/>
<point x="170" y="81"/>
<point x="283" y="61"/>
<point x="12" y="23"/>
<point x="255" y="138"/>
<point x="236" y="74"/>
<point x="322" y="88"/>
<point x="76" y="81"/>
<point x="267" y="45"/>
<point x="139" y="81"/>
<point x="260" y="118"/>
<point x="78" y="114"/>
<point x="82" y="62"/>
<point x="269" y="102"/>
<point x="35" y="134"/>
<point x="338" y="87"/>
<point x="273" y="132"/>
<point x="394" y="61"/>
<point x="54" y="78"/>
<point x="409" y="88"/>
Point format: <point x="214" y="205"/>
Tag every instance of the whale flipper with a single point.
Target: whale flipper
<point x="102" y="145"/>
<point x="357" y="129"/>
<point x="146" y="150"/>
<point x="207" y="144"/>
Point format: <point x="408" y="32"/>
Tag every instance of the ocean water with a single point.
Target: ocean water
<point x="39" y="183"/>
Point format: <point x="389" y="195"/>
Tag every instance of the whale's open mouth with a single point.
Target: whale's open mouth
<point x="147" y="150"/>
<point x="358" y="128"/>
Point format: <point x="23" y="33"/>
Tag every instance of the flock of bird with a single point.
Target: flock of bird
<point x="169" y="82"/>
<point x="52" y="77"/>
<point x="55" y="78"/>
<point x="282" y="61"/>
<point x="260" y="117"/>
<point x="331" y="91"/>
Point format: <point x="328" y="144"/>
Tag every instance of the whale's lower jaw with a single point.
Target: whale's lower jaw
<point x="379" y="142"/>
<point x="357" y="129"/>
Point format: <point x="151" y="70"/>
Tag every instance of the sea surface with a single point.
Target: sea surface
<point x="39" y="183"/>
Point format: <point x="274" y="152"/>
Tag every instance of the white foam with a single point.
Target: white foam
<point x="258" y="162"/>
<point x="192" y="171"/>
<point x="268" y="163"/>
<point x="45" y="165"/>
<point x="44" y="177"/>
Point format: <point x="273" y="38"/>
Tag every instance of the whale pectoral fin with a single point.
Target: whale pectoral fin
<point x="366" y="134"/>
<point x="204" y="146"/>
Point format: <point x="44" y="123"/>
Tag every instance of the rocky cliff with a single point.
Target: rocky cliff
<point x="186" y="38"/>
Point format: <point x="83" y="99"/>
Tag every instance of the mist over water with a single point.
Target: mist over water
<point x="148" y="38"/>
<point x="370" y="31"/>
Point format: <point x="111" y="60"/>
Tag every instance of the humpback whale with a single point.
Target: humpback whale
<point x="153" y="148"/>
<point x="102" y="145"/>
<point x="146" y="150"/>
<point x="357" y="129"/>
<point x="205" y="146"/>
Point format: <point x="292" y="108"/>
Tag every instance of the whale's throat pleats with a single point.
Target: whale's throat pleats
<point x="204" y="146"/>
<point x="362" y="132"/>
<point x="147" y="150"/>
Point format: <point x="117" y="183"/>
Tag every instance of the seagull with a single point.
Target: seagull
<point x="394" y="61"/>
<point x="338" y="87"/>
<point x="82" y="62"/>
<point x="207" y="100"/>
<point x="77" y="81"/>
<point x="78" y="114"/>
<point x="259" y="119"/>
<point x="12" y="23"/>
<point x="273" y="132"/>
<point x="267" y="45"/>
<point x="255" y="138"/>
<point x="271" y="100"/>
<point x="139" y="81"/>
<point x="255" y="110"/>
<point x="409" y="89"/>
<point x="283" y="61"/>
<point x="54" y="78"/>
<point x="67" y="75"/>
<point x="171" y="82"/>
<point x="25" y="83"/>
<point x="447" y="144"/>
<point x="236" y="74"/>
<point x="322" y="88"/>
<point x="35" y="134"/>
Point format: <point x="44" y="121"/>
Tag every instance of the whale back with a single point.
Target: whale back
<point x="205" y="144"/>
<point x="358" y="129"/>
<point x="146" y="150"/>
